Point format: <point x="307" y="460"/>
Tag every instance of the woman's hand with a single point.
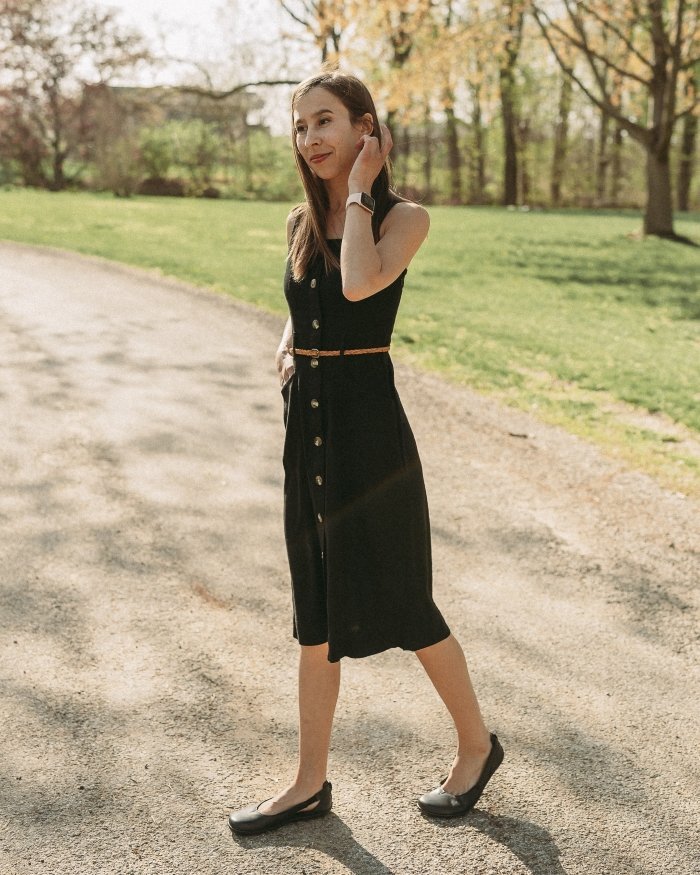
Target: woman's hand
<point x="370" y="160"/>
<point x="284" y="361"/>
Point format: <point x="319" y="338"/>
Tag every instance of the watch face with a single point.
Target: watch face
<point x="367" y="201"/>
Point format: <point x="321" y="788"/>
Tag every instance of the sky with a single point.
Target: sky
<point x="187" y="24"/>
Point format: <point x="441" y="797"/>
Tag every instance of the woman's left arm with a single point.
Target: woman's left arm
<point x="367" y="268"/>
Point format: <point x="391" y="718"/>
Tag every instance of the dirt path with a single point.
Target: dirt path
<point x="147" y="665"/>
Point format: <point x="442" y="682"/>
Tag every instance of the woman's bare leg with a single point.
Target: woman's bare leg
<point x="446" y="667"/>
<point x="319" y="683"/>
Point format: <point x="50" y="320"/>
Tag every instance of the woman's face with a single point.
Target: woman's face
<point x="326" y="137"/>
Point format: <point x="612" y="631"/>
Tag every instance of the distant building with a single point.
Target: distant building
<point x="115" y="107"/>
<point x="112" y="118"/>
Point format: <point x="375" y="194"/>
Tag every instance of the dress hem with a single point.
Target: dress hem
<point x="374" y="649"/>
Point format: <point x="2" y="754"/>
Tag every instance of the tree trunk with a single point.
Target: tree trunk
<point x="58" y="155"/>
<point x="398" y="138"/>
<point x="658" y="216"/>
<point x="509" y="99"/>
<point x="601" y="175"/>
<point x="58" y="180"/>
<point x="616" y="174"/>
<point x="32" y="172"/>
<point x="687" y="158"/>
<point x="395" y="154"/>
<point x="454" y="156"/>
<point x="561" y="139"/>
<point x="427" y="155"/>
<point x="477" y="181"/>
<point x="399" y="135"/>
<point x="510" y="140"/>
<point x="406" y="144"/>
<point x="524" y="171"/>
<point x="247" y="160"/>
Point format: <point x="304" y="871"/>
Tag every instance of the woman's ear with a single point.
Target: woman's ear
<point x="367" y="123"/>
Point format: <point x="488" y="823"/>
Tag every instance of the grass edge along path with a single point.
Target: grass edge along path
<point x="564" y="314"/>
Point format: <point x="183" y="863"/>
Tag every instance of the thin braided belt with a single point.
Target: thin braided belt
<point x="315" y="353"/>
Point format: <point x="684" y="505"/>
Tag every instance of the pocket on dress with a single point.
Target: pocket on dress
<point x="284" y="389"/>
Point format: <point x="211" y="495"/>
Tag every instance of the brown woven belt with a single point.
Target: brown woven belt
<point x="315" y="353"/>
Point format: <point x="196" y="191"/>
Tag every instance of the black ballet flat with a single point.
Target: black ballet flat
<point x="440" y="803"/>
<point x="249" y="820"/>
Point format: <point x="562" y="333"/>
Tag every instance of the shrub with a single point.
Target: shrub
<point x="159" y="186"/>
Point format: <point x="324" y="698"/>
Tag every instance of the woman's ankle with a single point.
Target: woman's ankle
<point x="474" y="746"/>
<point x="310" y="781"/>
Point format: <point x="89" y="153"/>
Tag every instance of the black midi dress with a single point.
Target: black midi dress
<point x="356" y="519"/>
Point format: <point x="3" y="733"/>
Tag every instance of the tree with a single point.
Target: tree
<point x="652" y="46"/>
<point x="157" y="150"/>
<point x="22" y="150"/>
<point x="688" y="145"/>
<point x="513" y="12"/>
<point x="481" y="80"/>
<point x="446" y="26"/>
<point x="109" y="138"/>
<point x="462" y="62"/>
<point x="48" y="49"/>
<point x="561" y="140"/>
<point x="396" y="34"/>
<point x="324" y="20"/>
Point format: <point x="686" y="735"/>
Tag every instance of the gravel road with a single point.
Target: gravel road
<point x="146" y="660"/>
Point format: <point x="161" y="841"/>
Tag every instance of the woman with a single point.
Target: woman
<point x="356" y="515"/>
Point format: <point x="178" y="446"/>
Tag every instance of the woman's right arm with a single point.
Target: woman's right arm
<point x="284" y="361"/>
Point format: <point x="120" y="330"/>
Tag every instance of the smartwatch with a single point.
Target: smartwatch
<point x="363" y="199"/>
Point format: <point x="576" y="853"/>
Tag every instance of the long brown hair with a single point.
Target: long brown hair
<point x="309" y="235"/>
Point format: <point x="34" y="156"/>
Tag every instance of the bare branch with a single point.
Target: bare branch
<point x="659" y="37"/>
<point x="583" y="45"/>
<point x="679" y="33"/>
<point x="290" y="12"/>
<point x="616" y="30"/>
<point x="688" y="110"/>
<point x="638" y="14"/>
<point x="588" y="53"/>
<point x="694" y="25"/>
<point x="635" y="130"/>
<point x="222" y="95"/>
<point x="675" y="62"/>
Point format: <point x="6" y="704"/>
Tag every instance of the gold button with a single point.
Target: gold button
<point x="319" y="517"/>
<point x="314" y="353"/>
<point x="316" y="324"/>
<point x="313" y="283"/>
<point x="314" y="403"/>
<point x="318" y="440"/>
<point x="319" y="480"/>
<point x="314" y="363"/>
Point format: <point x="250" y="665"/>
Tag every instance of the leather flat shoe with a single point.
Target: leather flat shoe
<point x="249" y="820"/>
<point x="440" y="803"/>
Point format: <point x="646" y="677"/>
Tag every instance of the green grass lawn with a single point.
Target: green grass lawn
<point x="566" y="313"/>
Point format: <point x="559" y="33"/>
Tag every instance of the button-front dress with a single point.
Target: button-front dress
<point x="356" y="518"/>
